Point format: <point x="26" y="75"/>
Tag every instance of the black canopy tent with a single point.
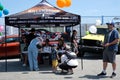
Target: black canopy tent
<point x="42" y="14"/>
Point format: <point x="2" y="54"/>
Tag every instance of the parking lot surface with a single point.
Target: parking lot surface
<point x="92" y="65"/>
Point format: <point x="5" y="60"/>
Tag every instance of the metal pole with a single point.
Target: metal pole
<point x="102" y="19"/>
<point x="19" y="31"/>
<point x="5" y="50"/>
<point x="80" y="46"/>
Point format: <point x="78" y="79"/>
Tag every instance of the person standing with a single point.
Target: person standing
<point x="55" y="57"/>
<point x="111" y="48"/>
<point x="30" y="36"/>
<point x="33" y="53"/>
<point x="27" y="40"/>
<point x="74" y="44"/>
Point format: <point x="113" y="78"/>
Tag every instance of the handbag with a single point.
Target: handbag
<point x="25" y="48"/>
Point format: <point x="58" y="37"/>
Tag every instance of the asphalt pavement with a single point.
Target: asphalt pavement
<point x="12" y="69"/>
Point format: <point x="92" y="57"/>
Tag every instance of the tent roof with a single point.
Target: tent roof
<point x="42" y="14"/>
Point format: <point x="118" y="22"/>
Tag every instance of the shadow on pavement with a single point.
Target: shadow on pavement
<point x="93" y="77"/>
<point x="92" y="56"/>
<point x="15" y="65"/>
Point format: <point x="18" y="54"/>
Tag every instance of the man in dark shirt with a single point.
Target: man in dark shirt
<point x="111" y="48"/>
<point x="30" y="36"/>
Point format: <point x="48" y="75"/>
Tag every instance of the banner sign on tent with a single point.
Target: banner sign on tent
<point x="56" y="20"/>
<point x="42" y="13"/>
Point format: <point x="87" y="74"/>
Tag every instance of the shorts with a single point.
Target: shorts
<point x="109" y="56"/>
<point x="54" y="63"/>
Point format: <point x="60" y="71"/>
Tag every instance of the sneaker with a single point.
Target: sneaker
<point x="113" y="75"/>
<point x="37" y="69"/>
<point x="69" y="73"/>
<point x="56" y="72"/>
<point x="53" y="71"/>
<point x="24" y="65"/>
<point x="101" y="74"/>
<point x="64" y="71"/>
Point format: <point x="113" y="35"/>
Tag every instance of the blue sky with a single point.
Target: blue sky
<point x="81" y="7"/>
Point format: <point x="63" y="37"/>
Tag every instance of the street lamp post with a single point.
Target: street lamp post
<point x="115" y="18"/>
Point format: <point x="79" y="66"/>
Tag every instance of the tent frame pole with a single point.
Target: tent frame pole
<point x="5" y="49"/>
<point x="80" y="45"/>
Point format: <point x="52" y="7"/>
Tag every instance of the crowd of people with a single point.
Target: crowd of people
<point x="65" y="57"/>
<point x="60" y="54"/>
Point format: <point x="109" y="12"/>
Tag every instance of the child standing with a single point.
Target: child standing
<point x="55" y="58"/>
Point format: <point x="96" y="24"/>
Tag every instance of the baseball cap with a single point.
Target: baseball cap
<point x="110" y="23"/>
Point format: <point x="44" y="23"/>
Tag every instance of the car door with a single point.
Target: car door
<point x="11" y="48"/>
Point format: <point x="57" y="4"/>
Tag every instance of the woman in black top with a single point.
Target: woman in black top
<point x="74" y="44"/>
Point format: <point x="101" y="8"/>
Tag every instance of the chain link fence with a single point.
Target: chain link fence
<point x="86" y="22"/>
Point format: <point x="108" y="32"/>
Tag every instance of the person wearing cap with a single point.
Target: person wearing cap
<point x="68" y="62"/>
<point x="110" y="49"/>
<point x="33" y="53"/>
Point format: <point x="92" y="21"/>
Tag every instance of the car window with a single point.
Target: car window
<point x="15" y="39"/>
<point x="102" y="30"/>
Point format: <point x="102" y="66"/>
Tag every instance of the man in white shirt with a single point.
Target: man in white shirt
<point x="68" y="61"/>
